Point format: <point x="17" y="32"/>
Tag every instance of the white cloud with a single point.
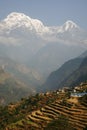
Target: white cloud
<point x="9" y="41"/>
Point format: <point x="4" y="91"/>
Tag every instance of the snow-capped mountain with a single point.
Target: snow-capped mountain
<point x="43" y="48"/>
<point x="17" y="20"/>
<point x="69" y="25"/>
<point x="17" y="26"/>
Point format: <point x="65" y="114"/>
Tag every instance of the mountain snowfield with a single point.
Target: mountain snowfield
<point x="20" y="23"/>
<point x="16" y="20"/>
<point x="40" y="47"/>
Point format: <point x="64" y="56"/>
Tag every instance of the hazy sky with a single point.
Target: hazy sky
<point x="50" y="12"/>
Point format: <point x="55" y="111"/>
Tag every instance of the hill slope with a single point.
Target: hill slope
<point x="56" y="78"/>
<point x="30" y="76"/>
<point x="78" y="76"/>
<point x="40" y="111"/>
<point x="62" y="73"/>
<point x="11" y="89"/>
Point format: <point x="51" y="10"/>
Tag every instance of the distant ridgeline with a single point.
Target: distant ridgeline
<point x="11" y="89"/>
<point x="70" y="74"/>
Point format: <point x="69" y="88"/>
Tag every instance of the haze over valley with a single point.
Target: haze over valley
<point x="43" y="65"/>
<point x="29" y="42"/>
<point x="30" y="50"/>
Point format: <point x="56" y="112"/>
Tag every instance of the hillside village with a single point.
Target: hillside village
<point x="39" y="112"/>
<point x="77" y="91"/>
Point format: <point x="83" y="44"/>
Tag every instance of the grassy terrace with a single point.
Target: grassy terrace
<point x="77" y="116"/>
<point x="46" y="110"/>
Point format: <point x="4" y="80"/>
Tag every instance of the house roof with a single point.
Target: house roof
<point x="78" y="94"/>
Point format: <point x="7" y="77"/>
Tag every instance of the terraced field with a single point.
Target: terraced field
<point x="38" y="120"/>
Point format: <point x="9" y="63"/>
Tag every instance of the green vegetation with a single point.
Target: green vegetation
<point x="49" y="111"/>
<point x="61" y="123"/>
<point x="15" y="114"/>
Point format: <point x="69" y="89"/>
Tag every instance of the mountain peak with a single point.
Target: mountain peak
<point x="21" y="17"/>
<point x="70" y="22"/>
<point x="15" y="20"/>
<point x="16" y="17"/>
<point x="68" y="25"/>
<point x="19" y="23"/>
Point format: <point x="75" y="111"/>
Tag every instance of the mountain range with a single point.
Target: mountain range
<point x="20" y="71"/>
<point x="78" y="76"/>
<point x="29" y="41"/>
<point x="12" y="89"/>
<point x="29" y="53"/>
<point x="34" y="49"/>
<point x="70" y="74"/>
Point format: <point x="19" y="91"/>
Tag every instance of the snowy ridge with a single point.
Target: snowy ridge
<point x="69" y="25"/>
<point x="17" y="28"/>
<point x="15" y="20"/>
